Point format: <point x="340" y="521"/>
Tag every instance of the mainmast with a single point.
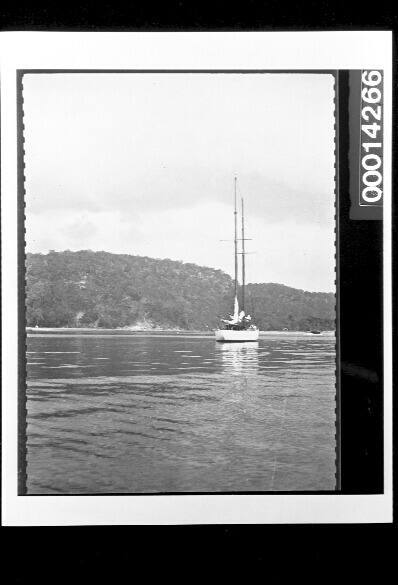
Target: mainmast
<point x="243" y="258"/>
<point x="236" y="241"/>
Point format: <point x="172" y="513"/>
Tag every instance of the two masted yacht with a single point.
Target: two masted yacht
<point x="239" y="327"/>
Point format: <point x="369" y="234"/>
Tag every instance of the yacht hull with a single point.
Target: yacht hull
<point x="231" y="335"/>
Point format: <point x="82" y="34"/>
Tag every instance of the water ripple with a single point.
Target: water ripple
<point x="152" y="414"/>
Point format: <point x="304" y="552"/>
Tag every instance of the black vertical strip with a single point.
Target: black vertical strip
<point x="361" y="332"/>
<point x="21" y="296"/>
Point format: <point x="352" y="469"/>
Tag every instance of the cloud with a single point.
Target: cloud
<point x="145" y="164"/>
<point x="296" y="255"/>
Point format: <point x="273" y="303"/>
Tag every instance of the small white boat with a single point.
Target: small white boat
<point x="239" y="326"/>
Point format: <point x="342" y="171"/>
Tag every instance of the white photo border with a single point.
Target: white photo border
<point x="99" y="51"/>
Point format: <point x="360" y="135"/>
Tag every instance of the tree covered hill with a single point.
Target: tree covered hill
<point x="100" y="289"/>
<point x="276" y="306"/>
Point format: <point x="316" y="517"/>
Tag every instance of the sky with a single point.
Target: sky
<point x="144" y="164"/>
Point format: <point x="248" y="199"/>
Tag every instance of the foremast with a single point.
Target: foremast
<point x="243" y="258"/>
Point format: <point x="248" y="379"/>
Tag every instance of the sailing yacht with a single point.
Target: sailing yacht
<point x="239" y="326"/>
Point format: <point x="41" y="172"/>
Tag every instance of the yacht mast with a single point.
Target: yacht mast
<point x="243" y="258"/>
<point x="236" y="241"/>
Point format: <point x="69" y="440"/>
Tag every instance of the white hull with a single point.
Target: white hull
<point x="234" y="335"/>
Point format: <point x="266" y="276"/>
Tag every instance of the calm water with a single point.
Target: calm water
<point x="146" y="413"/>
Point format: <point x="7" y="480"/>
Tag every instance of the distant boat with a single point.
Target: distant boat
<point x="239" y="327"/>
<point x="315" y="332"/>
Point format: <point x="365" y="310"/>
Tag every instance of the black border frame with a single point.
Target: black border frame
<point x="363" y="475"/>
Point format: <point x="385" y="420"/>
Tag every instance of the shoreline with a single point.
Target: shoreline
<point x="150" y="332"/>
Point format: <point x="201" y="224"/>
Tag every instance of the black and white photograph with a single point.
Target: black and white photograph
<point x="180" y="270"/>
<point x="196" y="266"/>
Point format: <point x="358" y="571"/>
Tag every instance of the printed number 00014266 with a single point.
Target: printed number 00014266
<point x="371" y="189"/>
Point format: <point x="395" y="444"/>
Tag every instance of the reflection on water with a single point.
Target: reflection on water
<point x="147" y="413"/>
<point x="239" y="357"/>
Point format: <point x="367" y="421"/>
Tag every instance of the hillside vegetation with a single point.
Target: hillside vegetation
<point x="100" y="289"/>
